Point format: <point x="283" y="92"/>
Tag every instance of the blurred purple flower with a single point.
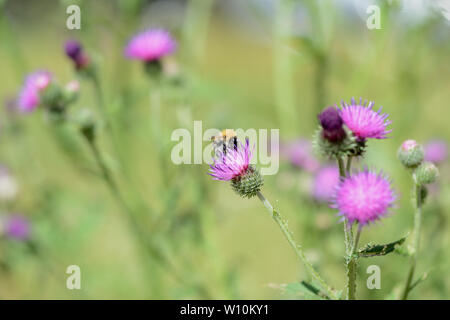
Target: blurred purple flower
<point x="17" y="227"/>
<point x="34" y="83"/>
<point x="300" y="154"/>
<point x="74" y="50"/>
<point x="436" y="151"/>
<point x="150" y="45"/>
<point x="325" y="183"/>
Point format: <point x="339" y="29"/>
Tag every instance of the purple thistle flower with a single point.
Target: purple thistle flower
<point x="325" y="183"/>
<point x="233" y="164"/>
<point x="29" y="94"/>
<point x="331" y="123"/>
<point x="363" y="197"/>
<point x="150" y="45"/>
<point x="300" y="154"/>
<point x="74" y="50"/>
<point x="17" y="227"/>
<point x="436" y="151"/>
<point x="363" y="121"/>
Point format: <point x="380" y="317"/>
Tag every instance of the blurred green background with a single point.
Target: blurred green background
<point x="239" y="64"/>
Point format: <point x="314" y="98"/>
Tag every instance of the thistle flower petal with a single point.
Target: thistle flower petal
<point x="363" y="121"/>
<point x="363" y="197"/>
<point x="234" y="163"/>
<point x="150" y="45"/>
<point x="29" y="94"/>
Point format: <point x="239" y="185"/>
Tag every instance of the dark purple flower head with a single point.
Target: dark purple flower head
<point x="331" y="123"/>
<point x="29" y="96"/>
<point x="73" y="48"/>
<point x="325" y="183"/>
<point x="74" y="51"/>
<point x="150" y="45"/>
<point x="234" y="164"/>
<point x="364" y="197"/>
<point x="17" y="227"/>
<point x="363" y="121"/>
<point x="436" y="151"/>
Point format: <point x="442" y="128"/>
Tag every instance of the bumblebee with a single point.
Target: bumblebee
<point x="227" y="139"/>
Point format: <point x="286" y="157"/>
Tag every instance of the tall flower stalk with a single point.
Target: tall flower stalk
<point x="361" y="197"/>
<point x="411" y="155"/>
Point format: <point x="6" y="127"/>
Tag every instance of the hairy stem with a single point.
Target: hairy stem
<point x="352" y="261"/>
<point x="297" y="248"/>
<point x="416" y="241"/>
<point x="350" y="245"/>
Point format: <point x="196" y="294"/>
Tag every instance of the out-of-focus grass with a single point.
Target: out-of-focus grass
<point x="77" y="221"/>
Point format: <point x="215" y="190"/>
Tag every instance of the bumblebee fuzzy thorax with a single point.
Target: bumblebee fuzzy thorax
<point x="227" y="139"/>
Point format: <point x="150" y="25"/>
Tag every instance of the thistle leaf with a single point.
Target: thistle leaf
<point x="372" y="250"/>
<point x="305" y="289"/>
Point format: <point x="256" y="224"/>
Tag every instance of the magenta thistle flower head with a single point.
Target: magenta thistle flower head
<point x="332" y="123"/>
<point x="34" y="84"/>
<point x="363" y="121"/>
<point x="17" y="227"/>
<point x="300" y="154"/>
<point x="234" y="165"/>
<point x="436" y="151"/>
<point x="325" y="183"/>
<point x="150" y="45"/>
<point x="363" y="197"/>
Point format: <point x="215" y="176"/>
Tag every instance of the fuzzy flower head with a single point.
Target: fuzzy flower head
<point x="74" y="50"/>
<point x="232" y="164"/>
<point x="363" y="197"/>
<point x="300" y="154"/>
<point x="16" y="227"/>
<point x="325" y="183"/>
<point x="150" y="45"/>
<point x="363" y="121"/>
<point x="436" y="151"/>
<point x="36" y="82"/>
<point x="331" y="123"/>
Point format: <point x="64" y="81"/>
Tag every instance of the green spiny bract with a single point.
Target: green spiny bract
<point x="426" y="173"/>
<point x="249" y="184"/>
<point x="348" y="146"/>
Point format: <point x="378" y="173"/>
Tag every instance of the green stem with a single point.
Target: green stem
<point x="416" y="241"/>
<point x="297" y="248"/>
<point x="283" y="69"/>
<point x="341" y="167"/>
<point x="349" y="164"/>
<point x="351" y="263"/>
<point x="150" y="248"/>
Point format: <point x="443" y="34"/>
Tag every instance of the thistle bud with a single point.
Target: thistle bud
<point x="410" y="154"/>
<point x="249" y="184"/>
<point x="71" y="92"/>
<point x="426" y="173"/>
<point x="75" y="52"/>
<point x="87" y="124"/>
<point x="332" y="123"/>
